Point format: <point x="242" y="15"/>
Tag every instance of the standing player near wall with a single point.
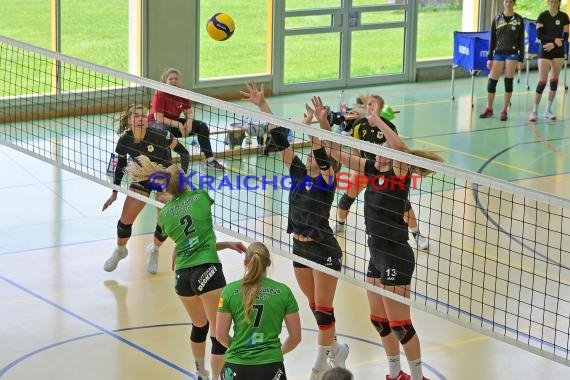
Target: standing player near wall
<point x="506" y="52"/>
<point x="552" y="31"/>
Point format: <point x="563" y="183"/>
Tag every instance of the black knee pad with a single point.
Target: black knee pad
<point x="404" y="330"/>
<point x="508" y="84"/>
<point x="553" y="84"/>
<point x="199" y="334"/>
<point x="492" y="85"/>
<point x="381" y="325"/>
<point x="124" y="230"/>
<point x="158" y="234"/>
<point x="325" y="317"/>
<point x="540" y="87"/>
<point x="217" y="347"/>
<point x="345" y="202"/>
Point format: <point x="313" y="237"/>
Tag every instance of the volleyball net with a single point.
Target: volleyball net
<point x="498" y="261"/>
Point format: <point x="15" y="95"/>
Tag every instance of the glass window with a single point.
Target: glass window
<point x="360" y="63"/>
<point x="437" y="20"/>
<point x="247" y="51"/>
<point x="295" y="5"/>
<point x="303" y="65"/>
<point x="96" y="32"/>
<point x="531" y="8"/>
<point x="28" y="21"/>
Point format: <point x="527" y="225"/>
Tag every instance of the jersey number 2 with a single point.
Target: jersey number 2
<point x="186" y="221"/>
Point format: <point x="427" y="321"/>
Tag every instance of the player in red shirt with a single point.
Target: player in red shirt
<point x="166" y="111"/>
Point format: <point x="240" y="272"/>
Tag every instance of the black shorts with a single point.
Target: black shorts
<point x="271" y="371"/>
<point x="325" y="253"/>
<point x="408" y="205"/>
<point x="554" y="53"/>
<point x="198" y="280"/>
<point x="393" y="262"/>
<point x="142" y="186"/>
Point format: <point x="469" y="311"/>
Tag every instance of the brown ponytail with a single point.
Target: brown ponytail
<point x="257" y="260"/>
<point x="124" y="117"/>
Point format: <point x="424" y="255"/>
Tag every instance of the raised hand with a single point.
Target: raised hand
<point x="253" y="94"/>
<point x="320" y="110"/>
<point x="308" y="115"/>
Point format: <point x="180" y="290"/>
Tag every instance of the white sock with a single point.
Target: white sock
<point x="535" y="108"/>
<point x="154" y="247"/>
<point x="416" y="369"/>
<point x="394" y="366"/>
<point x="341" y="221"/>
<point x="121" y="248"/>
<point x="210" y="159"/>
<point x="334" y="348"/>
<point x="200" y="364"/>
<point x="549" y="106"/>
<point x="322" y="353"/>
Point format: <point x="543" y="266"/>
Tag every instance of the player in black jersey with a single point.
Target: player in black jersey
<point x="310" y="199"/>
<point x="392" y="259"/>
<point x="506" y="52"/>
<point x="552" y="30"/>
<point x="362" y="130"/>
<point x="137" y="139"/>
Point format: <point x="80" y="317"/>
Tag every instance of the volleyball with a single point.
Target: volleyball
<point x="220" y="26"/>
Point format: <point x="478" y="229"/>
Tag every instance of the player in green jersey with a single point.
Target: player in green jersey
<point x="257" y="306"/>
<point x="187" y="219"/>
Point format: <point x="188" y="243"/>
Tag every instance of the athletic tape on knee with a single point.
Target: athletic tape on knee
<point x="381" y="325"/>
<point x="553" y="84"/>
<point x="508" y="84"/>
<point x="158" y="234"/>
<point x="404" y="330"/>
<point x="345" y="202"/>
<point x="540" y="86"/>
<point x="492" y="85"/>
<point x="217" y="347"/>
<point x="325" y="317"/>
<point x="199" y="334"/>
<point x="124" y="230"/>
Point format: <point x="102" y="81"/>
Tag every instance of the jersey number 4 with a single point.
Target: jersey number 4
<point x="186" y="221"/>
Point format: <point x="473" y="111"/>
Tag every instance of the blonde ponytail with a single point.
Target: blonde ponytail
<point x="431" y="155"/>
<point x="143" y="169"/>
<point x="257" y="260"/>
